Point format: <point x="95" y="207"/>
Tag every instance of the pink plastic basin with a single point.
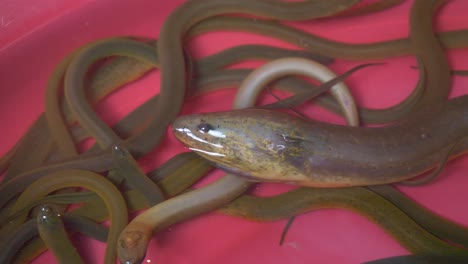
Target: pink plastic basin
<point x="35" y="35"/>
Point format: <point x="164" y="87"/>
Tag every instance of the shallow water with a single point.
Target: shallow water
<point x="30" y="46"/>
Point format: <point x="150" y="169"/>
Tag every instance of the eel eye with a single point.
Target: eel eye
<point x="204" y="128"/>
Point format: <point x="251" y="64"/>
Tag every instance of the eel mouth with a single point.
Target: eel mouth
<point x="181" y="129"/>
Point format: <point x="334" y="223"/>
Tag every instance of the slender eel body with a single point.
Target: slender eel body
<point x="275" y="146"/>
<point x="52" y="231"/>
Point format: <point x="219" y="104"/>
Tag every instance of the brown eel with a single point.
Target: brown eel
<point x="267" y="145"/>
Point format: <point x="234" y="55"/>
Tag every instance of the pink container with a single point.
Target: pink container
<point x="35" y="35"/>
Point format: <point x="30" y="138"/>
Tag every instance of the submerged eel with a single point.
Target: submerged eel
<point x="286" y="148"/>
<point x="52" y="231"/>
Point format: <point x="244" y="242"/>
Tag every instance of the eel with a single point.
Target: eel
<point x="52" y="231"/>
<point x="270" y="145"/>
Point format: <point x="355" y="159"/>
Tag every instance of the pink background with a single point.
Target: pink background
<point x="34" y="37"/>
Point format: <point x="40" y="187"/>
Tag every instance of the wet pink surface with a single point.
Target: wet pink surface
<point x="33" y="38"/>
